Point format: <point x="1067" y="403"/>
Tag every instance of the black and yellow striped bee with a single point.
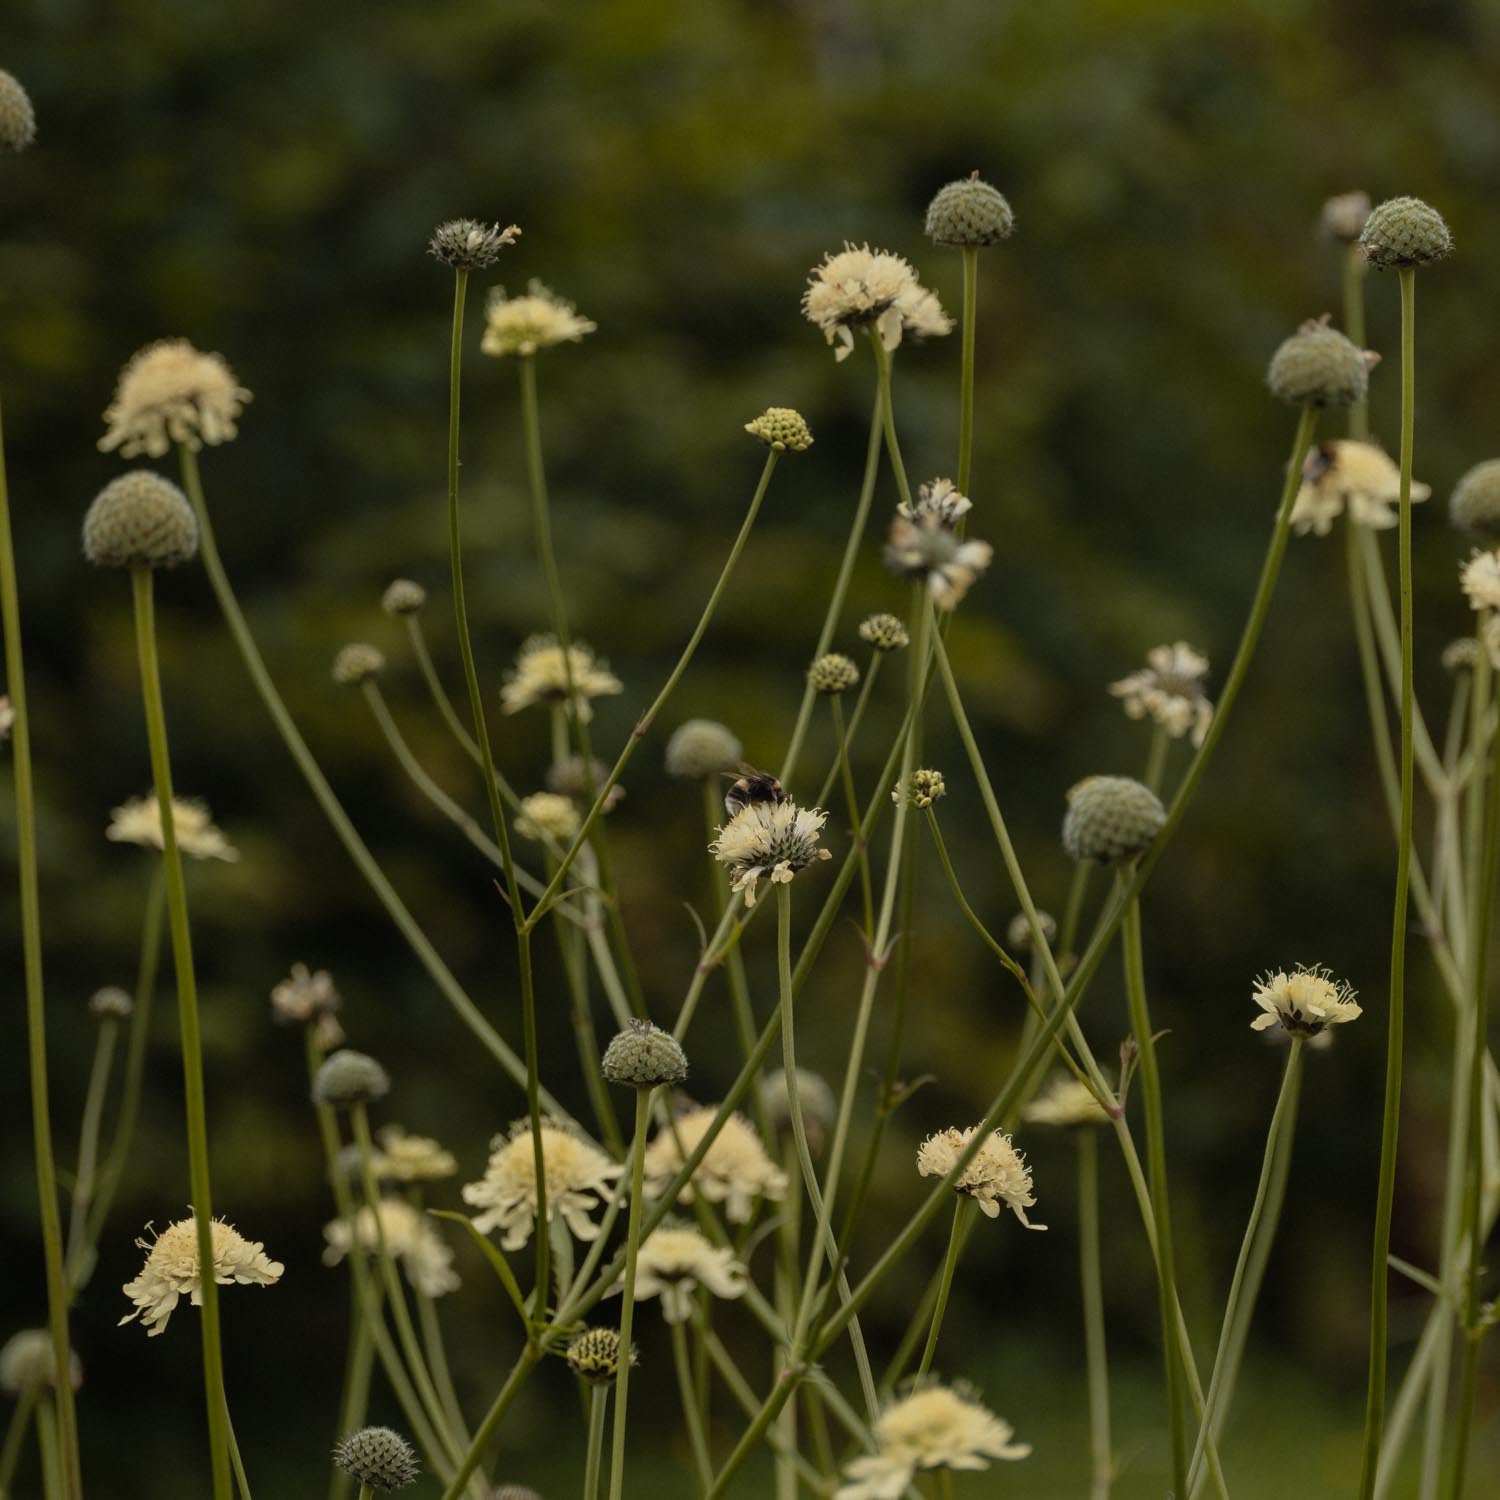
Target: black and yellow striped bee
<point x="752" y="786"/>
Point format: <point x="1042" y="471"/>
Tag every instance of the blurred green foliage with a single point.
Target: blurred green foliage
<point x="261" y="177"/>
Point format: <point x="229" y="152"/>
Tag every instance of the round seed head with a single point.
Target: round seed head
<point x="702" y="747"/>
<point x="1111" y="818"/>
<point x="1018" y="934"/>
<point x="17" y="119"/>
<point x="111" y="1004"/>
<point x="969" y="212"/>
<point x="140" y="520"/>
<point x="1318" y="366"/>
<point x="469" y="245"/>
<point x="348" y="1078"/>
<point x="1404" y="232"/>
<point x="781" y="428"/>
<point x="357" y="663"/>
<point x="378" y="1457"/>
<point x="833" y="674"/>
<point x="403" y="597"/>
<point x="883" y="632"/>
<point x="1344" y="216"/>
<point x="594" y="1355"/>
<point x="1475" y="506"/>
<point x="642" y="1056"/>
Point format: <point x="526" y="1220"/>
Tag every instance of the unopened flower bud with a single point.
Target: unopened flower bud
<point x="643" y="1055"/>
<point x="700" y="748"/>
<point x="1318" y="366"/>
<point x="1111" y="818"/>
<point x="594" y="1355"/>
<point x="378" y="1457"/>
<point x="781" y="428"/>
<point x="140" y="520"/>
<point x="348" y="1078"/>
<point x="969" y="213"/>
<point x="111" y="1004"/>
<point x="832" y="674"/>
<point x="883" y="632"/>
<point x="1404" y="232"/>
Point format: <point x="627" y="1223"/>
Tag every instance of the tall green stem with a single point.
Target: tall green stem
<point x="966" y="369"/>
<point x="593" y="1458"/>
<point x="1395" y="1034"/>
<point x="888" y="417"/>
<point x="627" y="1295"/>
<point x="697" y="1438"/>
<point x="88" y="1147"/>
<point x="945" y="1284"/>
<point x="1101" y="1458"/>
<point x="192" y="1042"/>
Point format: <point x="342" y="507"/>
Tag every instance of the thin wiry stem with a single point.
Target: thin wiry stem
<point x="633" y="1237"/>
<point x="966" y="368"/>
<point x="1101" y="1457"/>
<point x="945" y="1283"/>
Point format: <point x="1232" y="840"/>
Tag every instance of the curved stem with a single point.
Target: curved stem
<point x="627" y="1292"/>
<point x="945" y="1284"/>
<point x="1101" y="1458"/>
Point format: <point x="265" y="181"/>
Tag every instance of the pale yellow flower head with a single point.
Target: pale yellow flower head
<point x="172" y="1270"/>
<point x="304" y="996"/>
<point x="858" y="285"/>
<point x="542" y="674"/>
<point x="139" y="822"/>
<point x="579" y="1177"/>
<point x="1480" y="580"/>
<point x="412" y="1158"/>
<point x="1303" y="1002"/>
<point x="934" y="1428"/>
<point x="674" y="1262"/>
<point x="735" y="1169"/>
<point x="172" y="393"/>
<point x="523" y="325"/>
<point x="997" y="1176"/>
<point x="1065" y="1102"/>
<point x="548" y="815"/>
<point x="770" y="839"/>
<point x="922" y="315"/>
<point x="1169" y="691"/>
<point x="1353" y="476"/>
<point x="410" y="1237"/>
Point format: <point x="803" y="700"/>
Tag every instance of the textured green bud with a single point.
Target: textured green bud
<point x="643" y="1055"/>
<point x="349" y="1078"/>
<point x="781" y="428"/>
<point x="469" y="245"/>
<point x="883" y="632"/>
<point x="17" y="119"/>
<point x="357" y="663"/>
<point x="1404" y="232"/>
<point x="140" y="520"/>
<point x="1111" y="818"/>
<point x="1475" y="506"/>
<point x="378" y="1457"/>
<point x="832" y="674"/>
<point x="969" y="213"/>
<point x="594" y="1355"/>
<point x="111" y="1004"/>
<point x="1318" y="366"/>
<point x="702" y="747"/>
<point x="403" y="597"/>
<point x="1018" y="934"/>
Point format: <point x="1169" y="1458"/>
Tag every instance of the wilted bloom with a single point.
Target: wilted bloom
<point x="922" y="545"/>
<point x="139" y="822"/>
<point x="997" y="1174"/>
<point x="934" y="1428"/>
<point x="303" y="996"/>
<point x="410" y="1237"/>
<point x="773" y="839"/>
<point x="170" y="393"/>
<point x="856" y="286"/>
<point x="172" y="1269"/>
<point x="735" y="1169"/>
<point x="411" y="1158"/>
<point x="1304" y="1002"/>
<point x="543" y="675"/>
<point x="1169" y="690"/>
<point x="548" y="815"/>
<point x="1359" y="477"/>
<point x="579" y="1177"/>
<point x="523" y="325"/>
<point x="674" y="1262"/>
<point x="1480" y="580"/>
<point x="1065" y="1101"/>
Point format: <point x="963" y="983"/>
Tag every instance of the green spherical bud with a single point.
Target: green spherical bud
<point x="1018" y="934"/>
<point x="701" y="748"/>
<point x="348" y="1078"/>
<point x="969" y="213"/>
<point x="357" y="663"/>
<point x="1404" y="232"/>
<point x="1318" y="366"/>
<point x="469" y="245"/>
<point x="781" y="428"/>
<point x="111" y="1004"/>
<point x="819" y="1106"/>
<point x="921" y="789"/>
<point x="1475" y="505"/>
<point x="378" y="1457"/>
<point x="594" y="1355"/>
<point x="140" y="520"/>
<point x="883" y="632"/>
<point x="17" y="119"/>
<point x="403" y="597"/>
<point x="1111" y="818"/>
<point x="642" y="1056"/>
<point x="832" y="674"/>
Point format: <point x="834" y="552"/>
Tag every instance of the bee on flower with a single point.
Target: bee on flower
<point x="770" y="839"/>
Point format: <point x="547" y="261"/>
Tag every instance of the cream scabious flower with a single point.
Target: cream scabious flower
<point x="923" y="545"/>
<point x="523" y="325"/>
<point x="172" y="1269"/>
<point x="1304" y="1002"/>
<point x="304" y="996"/>
<point x="412" y="1158"/>
<point x="858" y="285"/>
<point x="1065" y="1102"/>
<point x="934" y="1428"/>
<point x="542" y="675"/>
<point x="922" y="315"/>
<point x="410" y="1237"/>
<point x="548" y="815"/>
<point x="1347" y="475"/>
<point x="1480" y="579"/>
<point x="735" y="1169"/>
<point x="772" y="839"/>
<point x="579" y="1177"/>
<point x="996" y="1176"/>
<point x="1169" y="690"/>
<point x="170" y="393"/>
<point x="139" y="822"/>
<point x="674" y="1262"/>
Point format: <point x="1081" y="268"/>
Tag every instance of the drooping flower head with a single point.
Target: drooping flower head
<point x="523" y="325"/>
<point x="579" y="1177"/>
<point x="1359" y="478"/>
<point x="674" y="1262"/>
<point x="410" y="1237"/>
<point x="1169" y="690"/>
<point x="542" y="675"/>
<point x="997" y="1176"/>
<point x="172" y="1270"/>
<point x="770" y="839"/>
<point x="735" y="1170"/>
<point x="139" y="822"/>
<point x="169" y="393"/>
<point x="1304" y="1002"/>
<point x="934" y="1428"/>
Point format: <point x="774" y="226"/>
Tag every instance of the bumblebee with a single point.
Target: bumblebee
<point x="752" y="786"/>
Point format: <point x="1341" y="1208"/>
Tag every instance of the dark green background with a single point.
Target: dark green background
<point x="261" y="177"/>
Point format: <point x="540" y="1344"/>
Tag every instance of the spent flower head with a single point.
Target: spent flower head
<point x="524" y="325"/>
<point x="543" y="674"/>
<point x="1304" y="1001"/>
<point x="171" y="393"/>
<point x="772" y="840"/>
<point x="408" y="1236"/>
<point x="996" y="1177"/>
<point x="1475" y="504"/>
<point x="139" y="822"/>
<point x="817" y="1101"/>
<point x="969" y="214"/>
<point x="700" y="748"/>
<point x="643" y="1056"/>
<point x="347" y="1078"/>
<point x="1169" y="691"/>
<point x="674" y="1262"/>
<point x="1351" y="476"/>
<point x="1110" y="818"/>
<point x="172" y="1269"/>
<point x="940" y="498"/>
<point x="470" y="244"/>
<point x="735" y="1170"/>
